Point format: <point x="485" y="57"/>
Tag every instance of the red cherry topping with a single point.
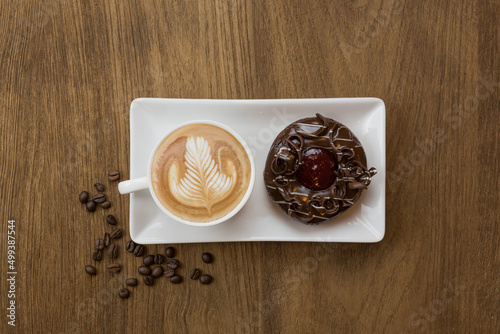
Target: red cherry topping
<point x="317" y="170"/>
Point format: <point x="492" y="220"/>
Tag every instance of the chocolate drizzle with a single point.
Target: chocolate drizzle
<point x="285" y="157"/>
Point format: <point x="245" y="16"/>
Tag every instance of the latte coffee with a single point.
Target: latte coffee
<point x="200" y="173"/>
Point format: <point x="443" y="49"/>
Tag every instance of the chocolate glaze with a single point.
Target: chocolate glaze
<point x="285" y="156"/>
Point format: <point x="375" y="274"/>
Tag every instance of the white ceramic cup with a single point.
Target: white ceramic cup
<point x="145" y="182"/>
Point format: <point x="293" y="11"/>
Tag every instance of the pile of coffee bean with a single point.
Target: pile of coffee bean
<point x="152" y="268"/>
<point x="158" y="271"/>
<point x="152" y="265"/>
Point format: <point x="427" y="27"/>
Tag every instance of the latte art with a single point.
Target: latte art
<point x="200" y="173"/>
<point x="203" y="184"/>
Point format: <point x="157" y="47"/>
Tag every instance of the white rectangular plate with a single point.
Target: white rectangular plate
<point x="258" y="122"/>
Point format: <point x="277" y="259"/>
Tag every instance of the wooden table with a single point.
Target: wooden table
<point x="69" y="70"/>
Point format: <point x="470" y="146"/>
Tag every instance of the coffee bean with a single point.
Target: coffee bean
<point x="139" y="250"/>
<point x="169" y="273"/>
<point x="111" y="220"/>
<point x="148" y="260"/>
<point x="91" y="206"/>
<point x="195" y="273"/>
<point x="99" y="187"/>
<point x="114" y="268"/>
<point x="90" y="270"/>
<point x="99" y="198"/>
<point x="131" y="281"/>
<point x="116" y="234"/>
<point x="172" y="263"/>
<point x="99" y="244"/>
<point x="84" y="197"/>
<point x="97" y="255"/>
<point x="170" y="252"/>
<point x="157" y="272"/>
<point x="175" y="279"/>
<point x="113" y="251"/>
<point x="130" y="246"/>
<point x="159" y="259"/>
<point x="123" y="293"/>
<point x="206" y="257"/>
<point x="149" y="280"/>
<point x="144" y="271"/>
<point x="106" y="205"/>
<point x="205" y="279"/>
<point x="113" y="175"/>
<point x="106" y="239"/>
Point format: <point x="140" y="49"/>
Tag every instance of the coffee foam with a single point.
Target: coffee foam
<point x="200" y="173"/>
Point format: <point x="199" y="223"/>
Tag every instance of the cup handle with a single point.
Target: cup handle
<point x="129" y="186"/>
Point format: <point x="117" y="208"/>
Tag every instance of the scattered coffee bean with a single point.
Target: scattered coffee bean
<point x="99" y="198"/>
<point x="91" y="206"/>
<point x="97" y="255"/>
<point x="195" y="273"/>
<point x="106" y="205"/>
<point x="131" y="281"/>
<point x="170" y="252"/>
<point x="205" y="279"/>
<point x="99" y="187"/>
<point x="206" y="257"/>
<point x="113" y="175"/>
<point x="84" y="197"/>
<point x="175" y="279"/>
<point x="90" y="270"/>
<point x="111" y="220"/>
<point x="116" y="234"/>
<point x="139" y="250"/>
<point x="130" y="246"/>
<point x="159" y="259"/>
<point x="157" y="272"/>
<point x="169" y="273"/>
<point x="148" y="260"/>
<point x="113" y="251"/>
<point x="106" y="239"/>
<point x="172" y="263"/>
<point x="149" y="280"/>
<point x="114" y="268"/>
<point x="144" y="271"/>
<point x="99" y="244"/>
<point x="123" y="293"/>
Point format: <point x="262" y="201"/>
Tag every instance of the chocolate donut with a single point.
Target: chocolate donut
<point x="316" y="170"/>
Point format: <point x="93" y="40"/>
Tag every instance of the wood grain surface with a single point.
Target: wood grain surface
<point x="69" y="70"/>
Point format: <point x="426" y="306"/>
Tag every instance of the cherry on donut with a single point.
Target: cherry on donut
<point x="317" y="170"/>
